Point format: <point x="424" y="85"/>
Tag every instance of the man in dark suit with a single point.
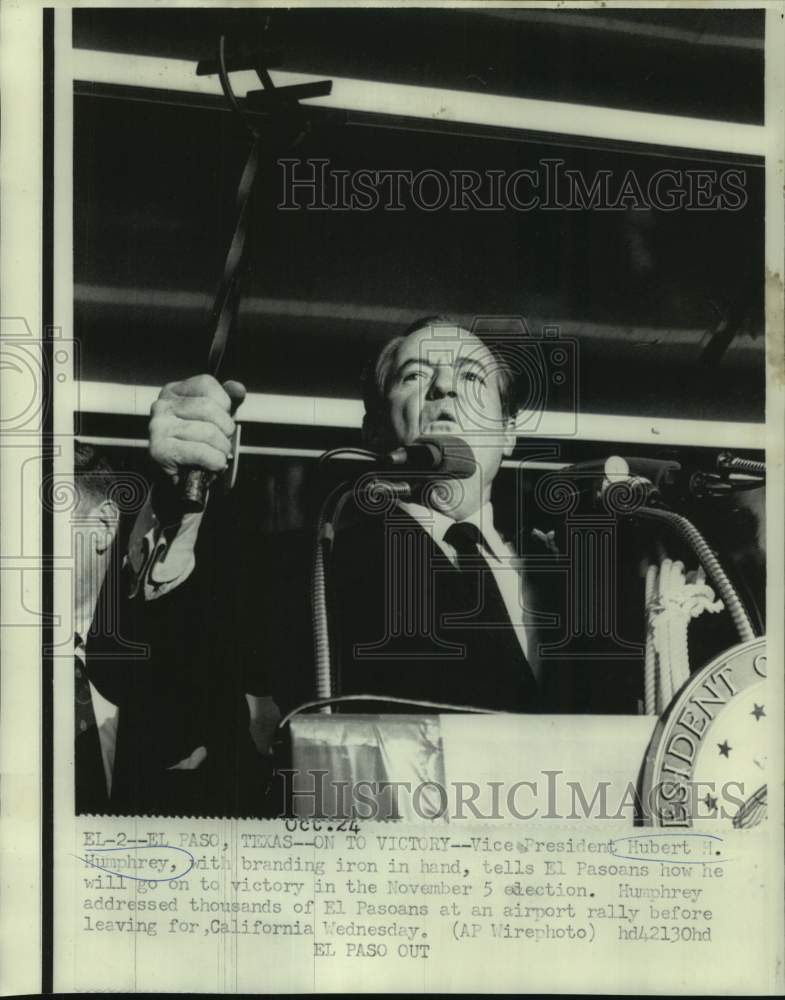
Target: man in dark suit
<point x="95" y="521"/>
<point x="161" y="721"/>
<point x="428" y="598"/>
<point x="428" y="602"/>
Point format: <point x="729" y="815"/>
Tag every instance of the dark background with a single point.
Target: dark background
<point x="667" y="308"/>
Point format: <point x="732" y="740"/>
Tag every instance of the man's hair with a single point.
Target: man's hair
<point x="379" y="371"/>
<point x="94" y="477"/>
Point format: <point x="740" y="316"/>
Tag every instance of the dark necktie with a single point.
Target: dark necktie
<point x="84" y="716"/>
<point x="495" y="638"/>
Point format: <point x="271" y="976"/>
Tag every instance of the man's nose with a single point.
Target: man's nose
<point x="442" y="384"/>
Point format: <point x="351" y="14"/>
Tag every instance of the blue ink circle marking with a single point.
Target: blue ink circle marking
<point x="145" y="847"/>
<point x="666" y="858"/>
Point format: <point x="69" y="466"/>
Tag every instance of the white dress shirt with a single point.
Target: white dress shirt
<point x="503" y="561"/>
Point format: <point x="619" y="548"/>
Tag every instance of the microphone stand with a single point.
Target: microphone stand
<point x="711" y="565"/>
<point x="381" y="493"/>
<point x="617" y="496"/>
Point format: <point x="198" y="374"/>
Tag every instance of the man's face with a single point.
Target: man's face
<point x="445" y="381"/>
<point x="93" y="528"/>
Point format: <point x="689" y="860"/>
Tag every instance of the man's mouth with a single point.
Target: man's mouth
<point x="444" y="423"/>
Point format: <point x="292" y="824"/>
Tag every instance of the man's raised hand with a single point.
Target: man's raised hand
<point x="191" y="424"/>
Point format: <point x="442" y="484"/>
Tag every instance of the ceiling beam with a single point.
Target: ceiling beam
<point x="114" y="398"/>
<point x="429" y="103"/>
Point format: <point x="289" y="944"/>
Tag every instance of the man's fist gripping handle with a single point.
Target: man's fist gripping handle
<point x="191" y="430"/>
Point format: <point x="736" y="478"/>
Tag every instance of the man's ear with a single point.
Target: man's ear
<point x="510" y="437"/>
<point x="109" y="516"/>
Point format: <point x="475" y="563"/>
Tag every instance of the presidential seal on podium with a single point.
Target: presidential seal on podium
<point x="707" y="757"/>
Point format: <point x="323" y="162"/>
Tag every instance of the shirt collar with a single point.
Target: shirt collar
<point x="82" y="627"/>
<point x="436" y="524"/>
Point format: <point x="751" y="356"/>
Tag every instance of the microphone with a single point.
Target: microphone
<point x="662" y="473"/>
<point x="651" y="477"/>
<point x="447" y="455"/>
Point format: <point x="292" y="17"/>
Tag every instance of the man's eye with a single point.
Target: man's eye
<point x="473" y="376"/>
<point x="411" y="376"/>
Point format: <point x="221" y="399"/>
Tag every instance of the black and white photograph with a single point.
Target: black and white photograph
<point x="498" y="389"/>
<point x="411" y="376"/>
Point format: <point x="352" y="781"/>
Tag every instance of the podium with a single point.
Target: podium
<point x="712" y="738"/>
<point x="456" y="766"/>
